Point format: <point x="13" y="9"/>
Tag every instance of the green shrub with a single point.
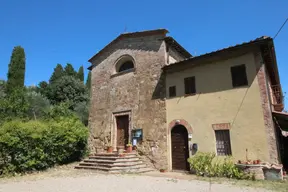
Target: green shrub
<point x="36" y="145"/>
<point x="61" y="110"/>
<point x="206" y="164"/>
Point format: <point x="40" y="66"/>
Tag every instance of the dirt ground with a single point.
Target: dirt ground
<point x="65" y="178"/>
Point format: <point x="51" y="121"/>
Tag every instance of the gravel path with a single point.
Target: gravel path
<point x="110" y="183"/>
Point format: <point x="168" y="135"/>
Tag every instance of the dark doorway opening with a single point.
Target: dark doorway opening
<point x="122" y="130"/>
<point x="281" y="124"/>
<point x="283" y="148"/>
<point x="179" y="148"/>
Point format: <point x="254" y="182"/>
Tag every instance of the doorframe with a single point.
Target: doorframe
<point x="114" y="126"/>
<point x="171" y="125"/>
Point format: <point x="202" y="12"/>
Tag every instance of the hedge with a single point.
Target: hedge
<point x="37" y="145"/>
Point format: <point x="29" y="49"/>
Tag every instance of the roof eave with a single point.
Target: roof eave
<point x="233" y="48"/>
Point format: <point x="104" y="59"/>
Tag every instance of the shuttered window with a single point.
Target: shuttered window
<point x="239" y="76"/>
<point x="223" y="144"/>
<point x="172" y="91"/>
<point x="190" y="87"/>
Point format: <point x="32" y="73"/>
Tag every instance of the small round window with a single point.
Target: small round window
<point x="126" y="66"/>
<point x="125" y="63"/>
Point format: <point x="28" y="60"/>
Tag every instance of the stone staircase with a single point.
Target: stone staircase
<point x="115" y="163"/>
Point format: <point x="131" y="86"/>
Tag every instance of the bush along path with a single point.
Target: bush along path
<point x="37" y="145"/>
<point x="207" y="164"/>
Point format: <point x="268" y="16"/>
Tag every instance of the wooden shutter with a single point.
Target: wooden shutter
<point x="172" y="91"/>
<point x="190" y="87"/>
<point x="239" y="76"/>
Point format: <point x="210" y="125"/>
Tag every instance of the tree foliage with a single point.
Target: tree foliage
<point x="67" y="89"/>
<point x="88" y="81"/>
<point x="80" y="74"/>
<point x="82" y="112"/>
<point x="69" y="70"/>
<point x="14" y="105"/>
<point x="61" y="110"/>
<point x="40" y="126"/>
<point x="58" y="72"/>
<point x="16" y="71"/>
<point x="2" y="89"/>
<point x="43" y="88"/>
<point x="38" y="105"/>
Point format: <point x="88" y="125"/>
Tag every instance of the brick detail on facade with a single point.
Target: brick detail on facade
<point x="221" y="126"/>
<point x="266" y="106"/>
<point x="180" y="122"/>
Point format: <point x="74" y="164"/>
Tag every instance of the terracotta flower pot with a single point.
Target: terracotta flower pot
<point x="162" y="170"/>
<point x="128" y="149"/>
<point x="110" y="149"/>
<point x="258" y="161"/>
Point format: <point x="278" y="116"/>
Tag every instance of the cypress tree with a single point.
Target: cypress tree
<point x="16" y="71"/>
<point x="69" y="70"/>
<point x="80" y="74"/>
<point x="88" y="81"/>
<point x="58" y="72"/>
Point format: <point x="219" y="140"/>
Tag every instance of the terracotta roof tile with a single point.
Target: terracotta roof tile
<point x="257" y="40"/>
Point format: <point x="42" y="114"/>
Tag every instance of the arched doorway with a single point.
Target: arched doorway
<point x="179" y="146"/>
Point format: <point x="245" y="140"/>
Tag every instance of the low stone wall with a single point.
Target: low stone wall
<point x="257" y="170"/>
<point x="263" y="171"/>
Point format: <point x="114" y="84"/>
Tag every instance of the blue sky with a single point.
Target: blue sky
<point x="72" y="31"/>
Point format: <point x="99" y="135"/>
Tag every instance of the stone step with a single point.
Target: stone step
<point x="113" y="162"/>
<point x="127" y="164"/>
<point x="121" y="170"/>
<point x="115" y="153"/>
<point x="101" y="168"/>
<point x="114" y="157"/>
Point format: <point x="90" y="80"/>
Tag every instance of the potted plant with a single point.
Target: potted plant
<point x="109" y="149"/>
<point x="134" y="147"/>
<point x="129" y="148"/>
<point x="162" y="170"/>
<point x="258" y="161"/>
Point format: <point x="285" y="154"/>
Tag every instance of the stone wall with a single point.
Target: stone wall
<point x="141" y="92"/>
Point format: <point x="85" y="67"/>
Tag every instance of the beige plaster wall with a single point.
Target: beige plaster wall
<point x="217" y="101"/>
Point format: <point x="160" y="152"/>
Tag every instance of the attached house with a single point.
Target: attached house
<point x="148" y="90"/>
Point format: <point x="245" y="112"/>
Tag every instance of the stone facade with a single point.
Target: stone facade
<point x="139" y="93"/>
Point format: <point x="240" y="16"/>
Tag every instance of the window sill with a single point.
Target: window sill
<point x="122" y="73"/>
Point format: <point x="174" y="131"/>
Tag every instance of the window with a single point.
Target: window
<point x="239" y="77"/>
<point x="190" y="87"/>
<point x="223" y="145"/>
<point x="172" y="91"/>
<point x="126" y="66"/>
